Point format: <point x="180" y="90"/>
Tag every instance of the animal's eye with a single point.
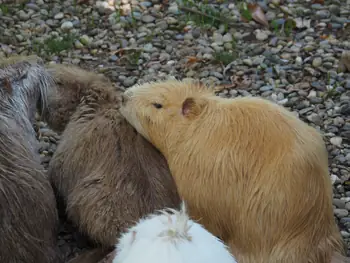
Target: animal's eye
<point x="157" y="105"/>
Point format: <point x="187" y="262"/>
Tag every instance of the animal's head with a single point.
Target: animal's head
<point x="23" y="86"/>
<point x="159" y="110"/>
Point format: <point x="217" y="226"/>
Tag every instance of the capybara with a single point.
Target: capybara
<point x="107" y="174"/>
<point x="251" y="171"/>
<point x="28" y="214"/>
<point x="170" y="237"/>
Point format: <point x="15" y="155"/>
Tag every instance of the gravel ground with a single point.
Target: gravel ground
<point x="306" y="68"/>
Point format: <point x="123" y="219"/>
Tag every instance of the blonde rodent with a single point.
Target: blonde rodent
<point x="253" y="173"/>
<point x="106" y="173"/>
<point x="28" y="214"/>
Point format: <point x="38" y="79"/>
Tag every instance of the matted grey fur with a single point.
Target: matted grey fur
<point x="28" y="214"/>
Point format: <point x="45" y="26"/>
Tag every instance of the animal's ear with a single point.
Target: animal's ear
<point x="192" y="107"/>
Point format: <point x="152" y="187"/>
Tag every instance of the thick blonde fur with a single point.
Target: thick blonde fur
<point x="252" y="173"/>
<point x="170" y="237"/>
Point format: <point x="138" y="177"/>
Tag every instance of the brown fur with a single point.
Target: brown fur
<point x="28" y="214"/>
<point x="338" y="258"/>
<point x="74" y="84"/>
<point x="252" y="173"/>
<point x="97" y="255"/>
<point x="108" y="174"/>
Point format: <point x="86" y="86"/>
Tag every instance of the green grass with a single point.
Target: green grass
<point x="286" y="28"/>
<point x="332" y="90"/>
<point x="224" y="57"/>
<point x="245" y="12"/>
<point x="4" y="9"/>
<point x="150" y="37"/>
<point x="133" y="57"/>
<point x="118" y="14"/>
<point x="206" y="18"/>
<point x="55" y="45"/>
<point x="209" y="17"/>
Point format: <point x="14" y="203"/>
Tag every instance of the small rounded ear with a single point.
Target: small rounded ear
<point x="193" y="107"/>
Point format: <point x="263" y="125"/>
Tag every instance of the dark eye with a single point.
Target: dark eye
<point x="157" y="105"/>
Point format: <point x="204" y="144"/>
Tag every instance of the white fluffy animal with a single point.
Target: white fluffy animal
<point x="170" y="237"/>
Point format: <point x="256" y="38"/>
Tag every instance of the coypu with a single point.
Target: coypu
<point x="255" y="174"/>
<point x="107" y="174"/>
<point x="29" y="218"/>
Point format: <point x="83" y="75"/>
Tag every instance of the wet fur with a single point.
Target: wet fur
<point x="108" y="175"/>
<point x="252" y="173"/>
<point x="29" y="219"/>
<point x="74" y="84"/>
<point x="170" y="237"/>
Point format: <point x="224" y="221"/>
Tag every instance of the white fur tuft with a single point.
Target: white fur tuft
<point x="170" y="237"/>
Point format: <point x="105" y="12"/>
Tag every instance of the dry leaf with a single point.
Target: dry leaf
<point x="323" y="37"/>
<point x="321" y="2"/>
<point x="220" y="88"/>
<point x="192" y="60"/>
<point x="258" y="14"/>
<point x="237" y="82"/>
<point x="241" y="82"/>
<point x="244" y="20"/>
<point x="187" y="28"/>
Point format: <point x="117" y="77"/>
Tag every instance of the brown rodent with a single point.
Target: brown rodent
<point x="108" y="175"/>
<point x="28" y="214"/>
<point x="253" y="173"/>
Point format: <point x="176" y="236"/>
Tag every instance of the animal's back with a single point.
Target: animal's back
<point x="27" y="204"/>
<point x="258" y="151"/>
<point x="108" y="174"/>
